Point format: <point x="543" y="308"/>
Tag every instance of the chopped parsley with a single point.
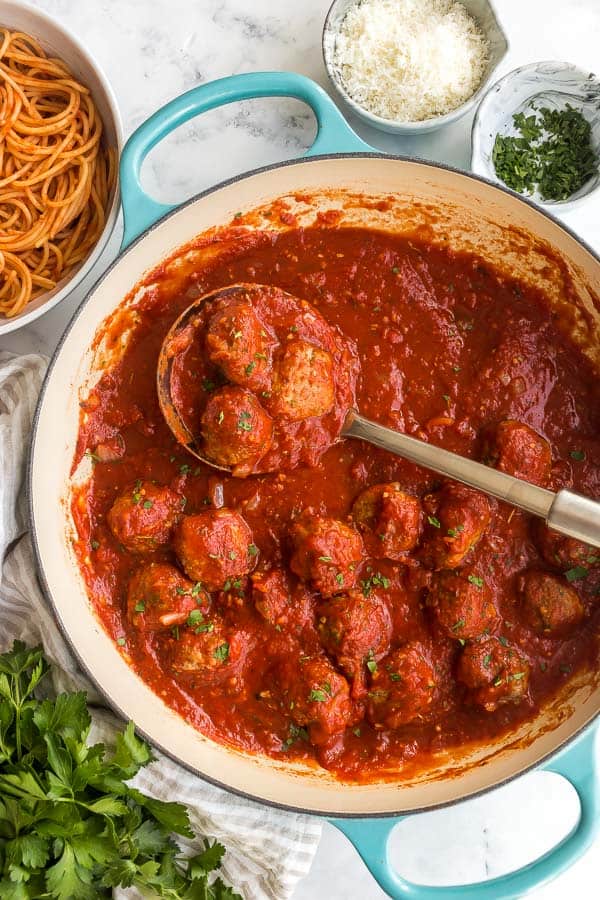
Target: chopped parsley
<point x="221" y="652"/>
<point x="184" y="469"/>
<point x="148" y="504"/>
<point x="252" y="550"/>
<point x="95" y="545"/>
<point x="324" y="558"/>
<point x="244" y="423"/>
<point x="454" y="532"/>
<point x="576" y="573"/>
<point x="433" y="521"/>
<point x="371" y="662"/>
<point x="121" y="641"/>
<point x="140" y="606"/>
<point x="476" y="580"/>
<point x="552" y="153"/>
<point x="375" y="580"/>
<point x="195" y="617"/>
<point x="295" y="733"/>
<point x="395" y="676"/>
<point x="578" y="455"/>
<point x="458" y="625"/>
<point x="208" y="385"/>
<point x="220" y="417"/>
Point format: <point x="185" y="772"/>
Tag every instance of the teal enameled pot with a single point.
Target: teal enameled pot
<point x="456" y="208"/>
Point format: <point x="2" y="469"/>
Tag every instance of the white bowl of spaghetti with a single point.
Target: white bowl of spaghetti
<point x="60" y="137"/>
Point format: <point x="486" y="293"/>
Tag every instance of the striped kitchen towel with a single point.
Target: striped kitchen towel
<point x="268" y="850"/>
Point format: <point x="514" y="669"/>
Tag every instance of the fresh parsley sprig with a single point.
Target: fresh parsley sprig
<point x="71" y="828"/>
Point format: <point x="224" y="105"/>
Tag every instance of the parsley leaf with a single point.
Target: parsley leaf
<point x="71" y="827"/>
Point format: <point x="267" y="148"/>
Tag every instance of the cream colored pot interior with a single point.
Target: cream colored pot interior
<point x="442" y="205"/>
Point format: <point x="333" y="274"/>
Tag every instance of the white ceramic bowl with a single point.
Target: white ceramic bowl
<point x="552" y="84"/>
<point x="484" y="14"/>
<point x="55" y="39"/>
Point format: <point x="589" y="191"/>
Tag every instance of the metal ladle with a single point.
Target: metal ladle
<point x="563" y="511"/>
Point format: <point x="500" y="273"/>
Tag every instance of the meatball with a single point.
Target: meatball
<point x="237" y="431"/>
<point x="565" y="552"/>
<point x="303" y="383"/>
<point x="326" y="553"/>
<point x="355" y="630"/>
<point x="494" y="672"/>
<point x="209" y="652"/>
<point x="550" y="605"/>
<point x="159" y="596"/>
<point x="315" y="695"/>
<point x="463" y="604"/>
<point x="215" y="546"/>
<point x="520" y="451"/>
<point x="143" y="517"/>
<point x="240" y="344"/>
<point x="390" y="520"/>
<point x="458" y="518"/>
<point x="280" y="604"/>
<point x="403" y="687"/>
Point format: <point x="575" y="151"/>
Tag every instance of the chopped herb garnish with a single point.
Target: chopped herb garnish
<point x="237" y="215"/>
<point x="395" y="270"/>
<point x="454" y="532"/>
<point x="184" y="469"/>
<point x="250" y="368"/>
<point x="252" y="550"/>
<point x="433" y="521"/>
<point x="140" y="606"/>
<point x="552" y="153"/>
<point x="371" y="662"/>
<point x="195" y="617"/>
<point x="148" y="504"/>
<point x="121" y="641"/>
<point x="175" y="632"/>
<point x="476" y="580"/>
<point x="356" y="731"/>
<point x="339" y="578"/>
<point x="325" y="558"/>
<point x="564" y="668"/>
<point x="576" y="573"/>
<point x="317" y="696"/>
<point x="447" y="398"/>
<point x="487" y="660"/>
<point x="578" y="455"/>
<point x="232" y="555"/>
<point x="498" y="681"/>
<point x="208" y="385"/>
<point x="394" y="676"/>
<point x="220" y="417"/>
<point x="95" y="545"/>
<point x="243" y="422"/>
<point x="221" y="652"/>
<point x="458" y="625"/>
<point x="503" y="640"/>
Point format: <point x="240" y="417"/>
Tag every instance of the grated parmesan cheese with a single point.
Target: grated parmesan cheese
<point x="410" y="60"/>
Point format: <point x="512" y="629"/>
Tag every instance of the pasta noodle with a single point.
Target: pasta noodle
<point x="56" y="175"/>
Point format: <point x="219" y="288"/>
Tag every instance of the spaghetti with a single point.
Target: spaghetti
<point x="56" y="175"/>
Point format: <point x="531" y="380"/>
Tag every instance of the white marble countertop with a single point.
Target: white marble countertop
<point x="152" y="50"/>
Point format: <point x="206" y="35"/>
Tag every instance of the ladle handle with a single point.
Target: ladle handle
<point x="566" y="512"/>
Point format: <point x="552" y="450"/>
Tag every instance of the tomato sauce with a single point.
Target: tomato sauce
<point x="447" y="348"/>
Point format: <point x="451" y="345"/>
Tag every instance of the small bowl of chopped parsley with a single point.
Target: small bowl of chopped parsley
<point x="537" y="131"/>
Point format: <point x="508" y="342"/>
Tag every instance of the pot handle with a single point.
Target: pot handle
<point x="578" y="764"/>
<point x="334" y="135"/>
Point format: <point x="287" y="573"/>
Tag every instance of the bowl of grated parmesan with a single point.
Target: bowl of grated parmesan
<point x="410" y="66"/>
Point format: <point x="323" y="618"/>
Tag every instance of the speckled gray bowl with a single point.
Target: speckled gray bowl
<point x="484" y="14"/>
<point x="551" y="84"/>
